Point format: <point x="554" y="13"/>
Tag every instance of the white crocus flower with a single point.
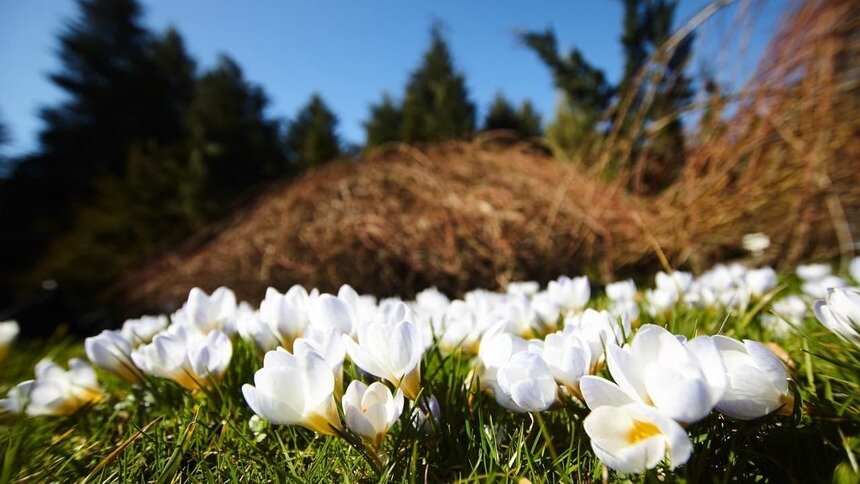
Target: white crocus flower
<point x="569" y="359"/>
<point x="840" y="313"/>
<point x="788" y="313"/>
<point x="547" y="310"/>
<point x="756" y="242"/>
<point x="189" y="358"/>
<point x="16" y="400"/>
<point x="621" y="291"/>
<point x="327" y="343"/>
<point x="757" y="382"/>
<point x="110" y="351"/>
<point x="327" y="311"/>
<point x="363" y="305"/>
<point x="598" y="329"/>
<point x="251" y="327"/>
<point x="55" y="391"/>
<point x="141" y="330"/>
<point x="460" y="329"/>
<point x="370" y="411"/>
<point x="684" y="382"/>
<point x="293" y="390"/>
<point x="529" y="288"/>
<point x="634" y="437"/>
<point x="495" y="351"/>
<point x="391" y="351"/>
<point x="854" y="269"/>
<point x="678" y="281"/>
<point x="660" y="300"/>
<point x="8" y="332"/>
<point x="213" y="312"/>
<point x="813" y="272"/>
<point x="286" y="315"/>
<point x="570" y="294"/>
<point x="527" y="382"/>
<point x="760" y="281"/>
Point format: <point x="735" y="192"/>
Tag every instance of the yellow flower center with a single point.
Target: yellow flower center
<point x="641" y="431"/>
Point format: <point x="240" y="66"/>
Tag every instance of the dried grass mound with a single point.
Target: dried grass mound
<point x="456" y="216"/>
<point x="483" y="213"/>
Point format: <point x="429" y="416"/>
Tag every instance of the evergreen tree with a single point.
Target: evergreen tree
<point x="385" y="123"/>
<point x="525" y="121"/>
<point x="436" y="106"/>
<point x="311" y="137"/>
<point x="648" y="25"/>
<point x="231" y="135"/>
<point x="112" y="100"/>
<point x="584" y="86"/>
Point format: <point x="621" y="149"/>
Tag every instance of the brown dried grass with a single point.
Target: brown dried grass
<point x="482" y="213"/>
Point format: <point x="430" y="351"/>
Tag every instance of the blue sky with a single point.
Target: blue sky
<point x="352" y="51"/>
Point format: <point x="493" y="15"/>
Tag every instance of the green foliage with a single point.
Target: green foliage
<point x="524" y="121"/>
<point x="436" y="106"/>
<point x="385" y="123"/>
<point x="311" y="137"/>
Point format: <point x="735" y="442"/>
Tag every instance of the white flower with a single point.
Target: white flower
<point x="327" y="343"/>
<point x="292" y="390"/>
<point x="569" y="359"/>
<point x="756" y="242"/>
<point x="598" y="329"/>
<point x="17" y="398"/>
<point x="327" y="311"/>
<point x="529" y="288"/>
<point x="570" y="294"/>
<point x="364" y="306"/>
<point x="55" y="391"/>
<point x="527" y="382"/>
<point x="141" y="330"/>
<point x="788" y="312"/>
<point x="8" y="332"/>
<point x="460" y="329"/>
<point x="840" y="313"/>
<point x="684" y="382"/>
<point x="207" y="313"/>
<point x="677" y="281"/>
<point x="813" y="272"/>
<point x="370" y="411"/>
<point x="391" y="351"/>
<point x="432" y="300"/>
<point x="660" y="300"/>
<point x="185" y="356"/>
<point x="110" y="351"/>
<point x="547" y="310"/>
<point x="286" y="315"/>
<point x="760" y="281"/>
<point x="756" y="380"/>
<point x="251" y="327"/>
<point x="625" y="311"/>
<point x="621" y="291"/>
<point x="495" y="351"/>
<point x="635" y="437"/>
<point x="818" y="288"/>
<point x="854" y="269"/>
